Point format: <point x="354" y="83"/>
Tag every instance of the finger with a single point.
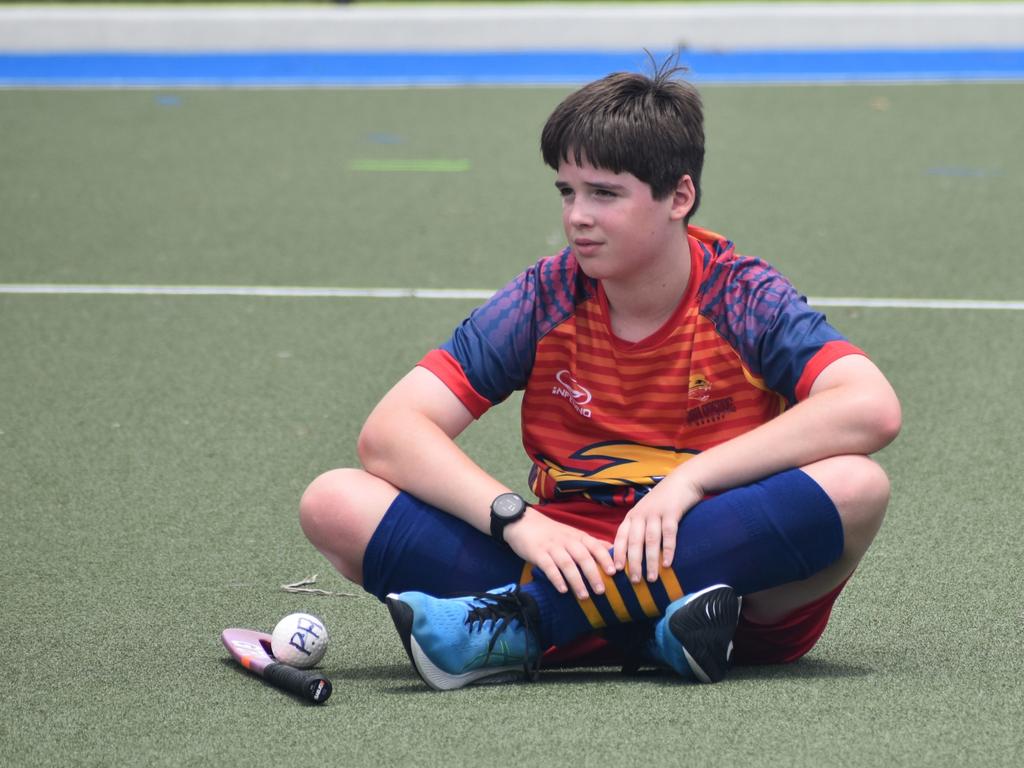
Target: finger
<point x="652" y="548"/>
<point x="587" y="564"/>
<point x="571" y="572"/>
<point x="554" y="575"/>
<point x="619" y="546"/>
<point x="669" y="530"/>
<point x="635" y="550"/>
<point x="601" y="553"/>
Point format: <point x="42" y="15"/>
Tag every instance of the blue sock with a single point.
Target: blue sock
<point x="418" y="547"/>
<point x="781" y="529"/>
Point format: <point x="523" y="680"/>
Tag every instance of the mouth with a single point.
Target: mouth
<point x="584" y="246"/>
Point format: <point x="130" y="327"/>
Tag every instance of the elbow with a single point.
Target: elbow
<point x="372" y="446"/>
<point x="870" y="420"/>
<point x="886" y="421"/>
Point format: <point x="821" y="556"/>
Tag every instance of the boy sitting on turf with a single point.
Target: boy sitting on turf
<point x="697" y="434"/>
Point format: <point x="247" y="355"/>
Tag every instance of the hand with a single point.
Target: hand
<point x="565" y="554"/>
<point x="649" y="528"/>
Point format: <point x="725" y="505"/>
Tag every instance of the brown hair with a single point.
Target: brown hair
<point x="651" y="127"/>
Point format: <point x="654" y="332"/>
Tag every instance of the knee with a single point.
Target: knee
<point x="860" y="490"/>
<point x="326" y="503"/>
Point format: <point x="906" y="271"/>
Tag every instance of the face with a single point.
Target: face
<point x="616" y="229"/>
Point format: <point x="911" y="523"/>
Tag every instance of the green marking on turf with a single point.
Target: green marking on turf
<point x="411" y="166"/>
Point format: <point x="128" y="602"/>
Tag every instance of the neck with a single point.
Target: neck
<point x="641" y="304"/>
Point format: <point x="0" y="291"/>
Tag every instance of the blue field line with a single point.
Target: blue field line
<point x="496" y="68"/>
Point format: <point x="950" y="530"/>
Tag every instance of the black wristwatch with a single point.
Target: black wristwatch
<point x="505" y="510"/>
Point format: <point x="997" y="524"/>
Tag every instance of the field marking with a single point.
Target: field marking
<point x="510" y="27"/>
<point x="246" y="290"/>
<point x="55" y="289"/>
<point x="232" y="69"/>
<point x="398" y="165"/>
<point x="452" y="86"/>
<point x="895" y="303"/>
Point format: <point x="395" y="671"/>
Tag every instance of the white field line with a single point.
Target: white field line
<point x="246" y="290"/>
<point x="478" y="294"/>
<point x="894" y="303"/>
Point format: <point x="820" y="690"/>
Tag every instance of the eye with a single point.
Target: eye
<point x="565" y="191"/>
<point x="604" y="193"/>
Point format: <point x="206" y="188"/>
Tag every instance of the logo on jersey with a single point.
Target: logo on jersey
<point x="700" y="388"/>
<point x="571" y="390"/>
<point x="613" y="472"/>
<point x="708" y="410"/>
<point x="716" y="410"/>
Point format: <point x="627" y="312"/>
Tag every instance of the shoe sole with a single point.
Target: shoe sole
<point x="704" y="627"/>
<point x="403" y="615"/>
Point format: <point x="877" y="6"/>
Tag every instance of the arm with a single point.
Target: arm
<point x="408" y="440"/>
<point x="851" y="409"/>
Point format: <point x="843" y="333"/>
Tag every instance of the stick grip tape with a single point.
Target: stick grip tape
<point x="308" y="685"/>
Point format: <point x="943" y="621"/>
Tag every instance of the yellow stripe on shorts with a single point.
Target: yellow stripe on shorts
<point x="590" y="611"/>
<point x="611" y="593"/>
<point x="646" y="600"/>
<point x="671" y="584"/>
<point x="527" y="575"/>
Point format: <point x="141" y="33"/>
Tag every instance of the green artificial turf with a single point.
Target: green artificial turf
<point x="153" y="449"/>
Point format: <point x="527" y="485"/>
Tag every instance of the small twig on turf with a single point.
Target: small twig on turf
<point x="302" y="587"/>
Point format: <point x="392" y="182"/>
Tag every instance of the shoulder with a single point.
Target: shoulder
<point x="492" y="351"/>
<point x="730" y="277"/>
<point x="546" y="293"/>
<point x="558" y="280"/>
<point x="759" y="313"/>
<point x="743" y="296"/>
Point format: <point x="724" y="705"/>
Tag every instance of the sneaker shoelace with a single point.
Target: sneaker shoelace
<point x="501" y="610"/>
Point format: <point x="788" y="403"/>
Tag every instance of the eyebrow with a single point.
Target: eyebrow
<point x="594" y="185"/>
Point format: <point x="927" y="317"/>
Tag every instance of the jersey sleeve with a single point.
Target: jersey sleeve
<point x="796" y="345"/>
<point x="490" y="354"/>
<point x="780" y="339"/>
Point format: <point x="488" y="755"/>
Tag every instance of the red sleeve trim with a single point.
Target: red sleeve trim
<point x="448" y="370"/>
<point x="822" y="359"/>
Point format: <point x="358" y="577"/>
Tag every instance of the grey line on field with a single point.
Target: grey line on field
<point x="510" y="27"/>
<point x="475" y="294"/>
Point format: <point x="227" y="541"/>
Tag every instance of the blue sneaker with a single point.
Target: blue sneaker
<point x="487" y="638"/>
<point x="694" y="637"/>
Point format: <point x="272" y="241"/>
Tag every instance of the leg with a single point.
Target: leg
<point x="787" y="541"/>
<point x="389" y="541"/>
<point x="339" y="513"/>
<point x="859" y="489"/>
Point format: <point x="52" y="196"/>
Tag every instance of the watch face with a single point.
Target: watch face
<point x="508" y="505"/>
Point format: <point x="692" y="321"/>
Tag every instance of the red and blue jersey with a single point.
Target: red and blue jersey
<point x="603" y="419"/>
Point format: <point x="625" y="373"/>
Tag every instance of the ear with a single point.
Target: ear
<point x="683" y="198"/>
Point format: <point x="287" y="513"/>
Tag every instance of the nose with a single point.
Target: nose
<point x="578" y="216"/>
